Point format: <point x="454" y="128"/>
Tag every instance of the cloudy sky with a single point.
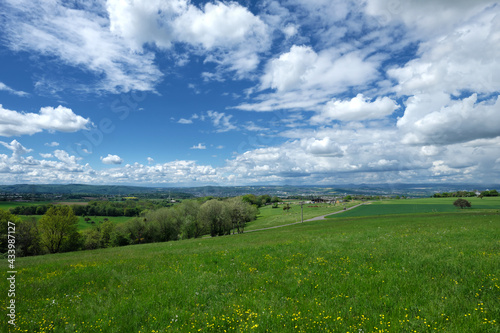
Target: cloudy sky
<point x="179" y="92"/>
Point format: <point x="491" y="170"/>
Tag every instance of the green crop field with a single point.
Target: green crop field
<point x="416" y="206"/>
<point x="12" y="204"/>
<point x="272" y="217"/>
<point x="394" y="273"/>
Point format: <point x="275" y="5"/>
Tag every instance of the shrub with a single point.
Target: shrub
<point x="462" y="203"/>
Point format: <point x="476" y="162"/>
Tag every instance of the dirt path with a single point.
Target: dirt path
<point x="317" y="218"/>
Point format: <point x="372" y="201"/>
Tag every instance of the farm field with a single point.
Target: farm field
<point x="418" y="206"/>
<point x="12" y="204"/>
<point x="412" y="273"/>
<point x="272" y="217"/>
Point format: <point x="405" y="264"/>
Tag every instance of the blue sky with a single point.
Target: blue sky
<point x="183" y="93"/>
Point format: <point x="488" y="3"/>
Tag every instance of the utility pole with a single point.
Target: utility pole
<point x="302" y="212"/>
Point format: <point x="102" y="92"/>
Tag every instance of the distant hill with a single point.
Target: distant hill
<point x="414" y="190"/>
<point x="79" y="189"/>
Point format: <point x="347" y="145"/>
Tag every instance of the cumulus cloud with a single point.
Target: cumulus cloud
<point x="464" y="59"/>
<point x="199" y="146"/>
<point x="17" y="148"/>
<point x="304" y="79"/>
<point x="427" y="17"/>
<point x="456" y="122"/>
<point x="112" y="159"/>
<point x="226" y="33"/>
<point x="185" y="121"/>
<point x="48" y="118"/>
<point x="355" y="109"/>
<point x="323" y="147"/>
<point x="52" y="144"/>
<point x="303" y="68"/>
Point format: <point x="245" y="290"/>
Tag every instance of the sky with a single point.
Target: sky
<point x="291" y="92"/>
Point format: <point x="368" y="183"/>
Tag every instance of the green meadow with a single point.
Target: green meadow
<point x="12" y="204"/>
<point x="272" y="217"/>
<point x="419" y="206"/>
<point x="426" y="272"/>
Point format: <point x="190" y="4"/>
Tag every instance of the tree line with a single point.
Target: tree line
<point x="57" y="230"/>
<point x="98" y="208"/>
<point x="466" y="194"/>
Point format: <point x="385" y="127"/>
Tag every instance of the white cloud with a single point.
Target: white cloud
<point x="303" y="68"/>
<point x="185" y="121"/>
<point x="150" y="160"/>
<point x="112" y="159"/>
<point x="4" y="87"/>
<point x="221" y="121"/>
<point x="290" y="30"/>
<point x="17" y="148"/>
<point x="355" y="109"/>
<point x="323" y="147"/>
<point x="63" y="156"/>
<point x="463" y="59"/>
<point x="455" y="122"/>
<point x="427" y="17"/>
<point x="305" y="79"/>
<point x="79" y="38"/>
<point x="50" y="119"/>
<point x="46" y="155"/>
<point x="225" y="33"/>
<point x="199" y="146"/>
<point x="251" y="126"/>
<point x="52" y="144"/>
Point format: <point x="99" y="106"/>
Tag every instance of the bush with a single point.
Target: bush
<point x="462" y="203"/>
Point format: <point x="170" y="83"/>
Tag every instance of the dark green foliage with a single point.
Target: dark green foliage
<point x="462" y="203"/>
<point x="28" y="242"/>
<point x="5" y="218"/>
<point x="492" y="193"/>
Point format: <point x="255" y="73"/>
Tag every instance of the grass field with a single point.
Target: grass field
<point x="12" y="204"/>
<point x="414" y="273"/>
<point x="418" y="206"/>
<point x="272" y="217"/>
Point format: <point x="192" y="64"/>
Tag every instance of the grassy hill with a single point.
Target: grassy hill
<point x="393" y="273"/>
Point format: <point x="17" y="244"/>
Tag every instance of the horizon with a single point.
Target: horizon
<point x="181" y="93"/>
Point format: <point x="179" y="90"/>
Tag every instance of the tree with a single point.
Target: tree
<point x="91" y="239"/>
<point x="5" y="218"/>
<point x="250" y="198"/>
<point x="28" y="238"/>
<point x="57" y="226"/>
<point x="461" y="203"/>
<point x="240" y="213"/>
<point x="106" y="231"/>
<point x="214" y="215"/>
<point x="188" y="212"/>
<point x="275" y="199"/>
